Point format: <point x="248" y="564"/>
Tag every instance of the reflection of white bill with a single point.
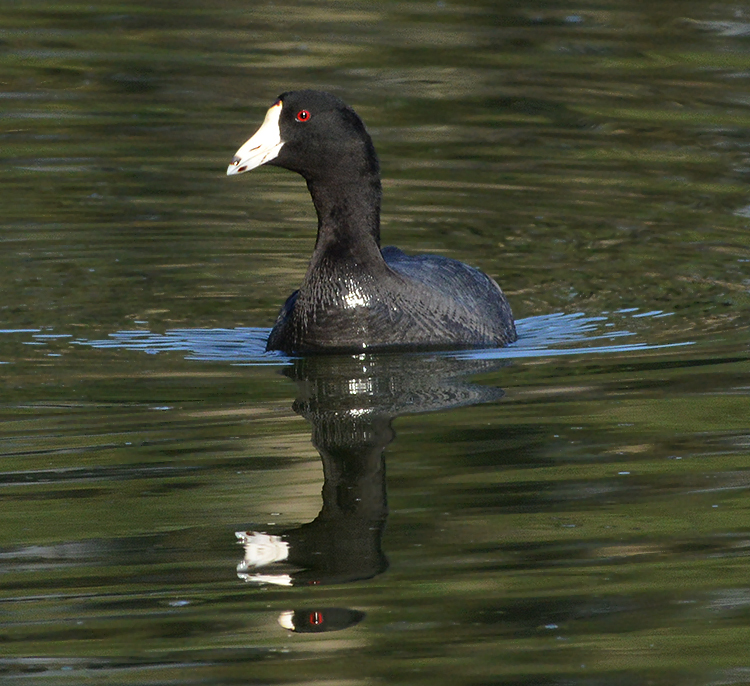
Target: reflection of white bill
<point x="261" y="549"/>
<point x="276" y="579"/>
<point x="286" y="620"/>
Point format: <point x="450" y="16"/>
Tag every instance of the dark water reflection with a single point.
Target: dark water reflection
<point x="589" y="527"/>
<point x="351" y="403"/>
<point x="591" y="508"/>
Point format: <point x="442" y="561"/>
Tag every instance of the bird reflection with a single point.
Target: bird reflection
<point x="350" y="403"/>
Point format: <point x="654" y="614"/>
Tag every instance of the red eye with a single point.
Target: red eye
<point x="303" y="115"/>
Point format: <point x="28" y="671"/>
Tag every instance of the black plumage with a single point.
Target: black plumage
<point x="355" y="296"/>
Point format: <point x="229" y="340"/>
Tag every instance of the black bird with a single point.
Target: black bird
<point x="356" y="297"/>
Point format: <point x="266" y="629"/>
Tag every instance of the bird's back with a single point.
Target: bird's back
<point x="461" y="304"/>
<point x="423" y="301"/>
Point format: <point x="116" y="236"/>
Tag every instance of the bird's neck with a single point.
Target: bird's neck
<point x="348" y="221"/>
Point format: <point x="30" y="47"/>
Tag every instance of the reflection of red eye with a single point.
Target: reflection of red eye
<point x="303" y="115"/>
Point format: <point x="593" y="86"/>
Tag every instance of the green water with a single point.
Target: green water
<point x="572" y="510"/>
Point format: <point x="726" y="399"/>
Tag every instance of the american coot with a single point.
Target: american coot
<point x="356" y="296"/>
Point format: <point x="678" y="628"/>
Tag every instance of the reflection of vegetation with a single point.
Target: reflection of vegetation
<point x="124" y="114"/>
<point x="589" y="517"/>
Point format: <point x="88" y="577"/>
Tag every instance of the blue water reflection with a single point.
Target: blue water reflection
<point x="540" y="336"/>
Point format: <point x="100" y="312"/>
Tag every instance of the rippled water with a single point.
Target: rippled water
<point x="180" y="507"/>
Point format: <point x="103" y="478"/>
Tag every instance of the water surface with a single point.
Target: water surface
<point x="571" y="509"/>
